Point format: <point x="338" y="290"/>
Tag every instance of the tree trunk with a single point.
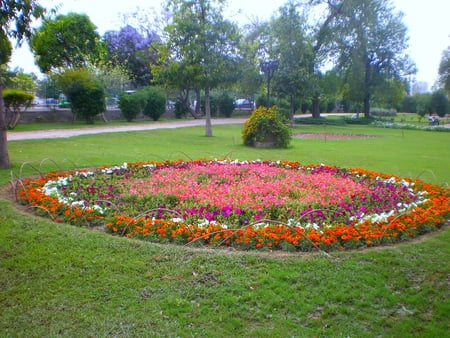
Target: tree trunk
<point x="198" y="102"/>
<point x="208" y="126"/>
<point x="366" y="106"/>
<point x="315" y="108"/>
<point x="367" y="80"/>
<point x="292" y="111"/>
<point x="4" y="156"/>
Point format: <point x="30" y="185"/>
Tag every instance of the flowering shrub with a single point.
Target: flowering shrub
<point x="280" y="205"/>
<point x="266" y="124"/>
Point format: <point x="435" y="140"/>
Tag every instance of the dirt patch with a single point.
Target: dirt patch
<point x="331" y="136"/>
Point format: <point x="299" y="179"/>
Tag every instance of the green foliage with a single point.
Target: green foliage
<point x="223" y="103"/>
<point x="440" y="103"/>
<point x="69" y="41"/>
<point x="444" y="70"/>
<point x="289" y="44"/>
<point x="5" y="48"/>
<point x="201" y="41"/>
<point x="85" y="93"/>
<point x="17" y="97"/>
<point x="48" y="87"/>
<point x="179" y="110"/>
<point x="131" y="105"/>
<point x="423" y="104"/>
<point x="267" y="125"/>
<point x="15" y="100"/>
<point x="15" y="22"/>
<point x="370" y="43"/>
<point x="155" y="102"/>
<point x="380" y="112"/>
<point x="319" y="121"/>
<point x="22" y="81"/>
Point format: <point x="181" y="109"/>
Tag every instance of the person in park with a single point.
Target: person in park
<point x="433" y="120"/>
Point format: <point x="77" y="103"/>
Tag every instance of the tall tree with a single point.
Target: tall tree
<point x="15" y="22"/>
<point x="444" y="70"/>
<point x="201" y="38"/>
<point x="370" y="45"/>
<point x="134" y="51"/>
<point x="68" y="41"/>
<point x="253" y="48"/>
<point x="290" y="45"/>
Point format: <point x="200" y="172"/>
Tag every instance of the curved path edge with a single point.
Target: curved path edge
<point x="65" y="133"/>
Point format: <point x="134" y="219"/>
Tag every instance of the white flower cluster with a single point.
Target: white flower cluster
<point x="112" y="169"/>
<point x="53" y="188"/>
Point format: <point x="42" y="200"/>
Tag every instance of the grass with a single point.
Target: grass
<point x="59" y="280"/>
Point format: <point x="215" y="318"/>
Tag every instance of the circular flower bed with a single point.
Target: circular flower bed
<point x="279" y="205"/>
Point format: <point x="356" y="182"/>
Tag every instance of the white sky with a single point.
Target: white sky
<point x="427" y="22"/>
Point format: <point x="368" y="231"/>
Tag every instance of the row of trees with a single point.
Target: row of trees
<point x="325" y="49"/>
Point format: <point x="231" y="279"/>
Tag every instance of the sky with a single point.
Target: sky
<point x="427" y="22"/>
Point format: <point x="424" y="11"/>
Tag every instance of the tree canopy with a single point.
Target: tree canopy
<point x="68" y="41"/>
<point x="290" y="45"/>
<point x="15" y="22"/>
<point x="369" y="46"/>
<point x="444" y="70"/>
<point x="134" y="51"/>
<point x="202" y="40"/>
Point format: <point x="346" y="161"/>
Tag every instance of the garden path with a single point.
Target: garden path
<point x="63" y="133"/>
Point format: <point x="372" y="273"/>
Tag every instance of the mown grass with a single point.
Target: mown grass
<point x="59" y="280"/>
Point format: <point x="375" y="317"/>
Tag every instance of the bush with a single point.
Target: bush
<point x="89" y="101"/>
<point x="131" y="105"/>
<point x="267" y="124"/>
<point x="224" y="104"/>
<point x="180" y="111"/>
<point x="155" y="102"/>
<point x="86" y="94"/>
<point x="15" y="100"/>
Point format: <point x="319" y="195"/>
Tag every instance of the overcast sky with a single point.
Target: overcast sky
<point x="427" y="22"/>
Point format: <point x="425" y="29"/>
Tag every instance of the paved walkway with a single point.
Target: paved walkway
<point x="63" y="133"/>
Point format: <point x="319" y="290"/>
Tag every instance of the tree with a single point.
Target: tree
<point x="390" y="94"/>
<point x="85" y="93"/>
<point x="15" y="20"/>
<point x="202" y="40"/>
<point x="253" y="48"/>
<point x="134" y="51"/>
<point x="370" y="46"/>
<point x="16" y="102"/>
<point x="444" y="70"/>
<point x="68" y="41"/>
<point x="17" y="79"/>
<point x="293" y="49"/>
<point x="440" y="103"/>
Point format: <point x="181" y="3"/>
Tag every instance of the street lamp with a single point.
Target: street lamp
<point x="269" y="67"/>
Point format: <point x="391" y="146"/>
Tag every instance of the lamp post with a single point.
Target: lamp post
<point x="269" y="67"/>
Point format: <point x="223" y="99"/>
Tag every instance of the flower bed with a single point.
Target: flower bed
<point x="279" y="205"/>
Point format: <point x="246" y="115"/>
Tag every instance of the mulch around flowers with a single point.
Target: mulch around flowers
<point x="331" y="136"/>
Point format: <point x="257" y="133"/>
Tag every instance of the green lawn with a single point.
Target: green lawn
<point x="59" y="280"/>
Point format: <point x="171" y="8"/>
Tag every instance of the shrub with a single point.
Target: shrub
<point x="180" y="110"/>
<point x="155" y="102"/>
<point x="88" y="101"/>
<point x="15" y="100"/>
<point x="131" y="105"/>
<point x="267" y="124"/>
<point x="224" y="103"/>
<point x="85" y="93"/>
